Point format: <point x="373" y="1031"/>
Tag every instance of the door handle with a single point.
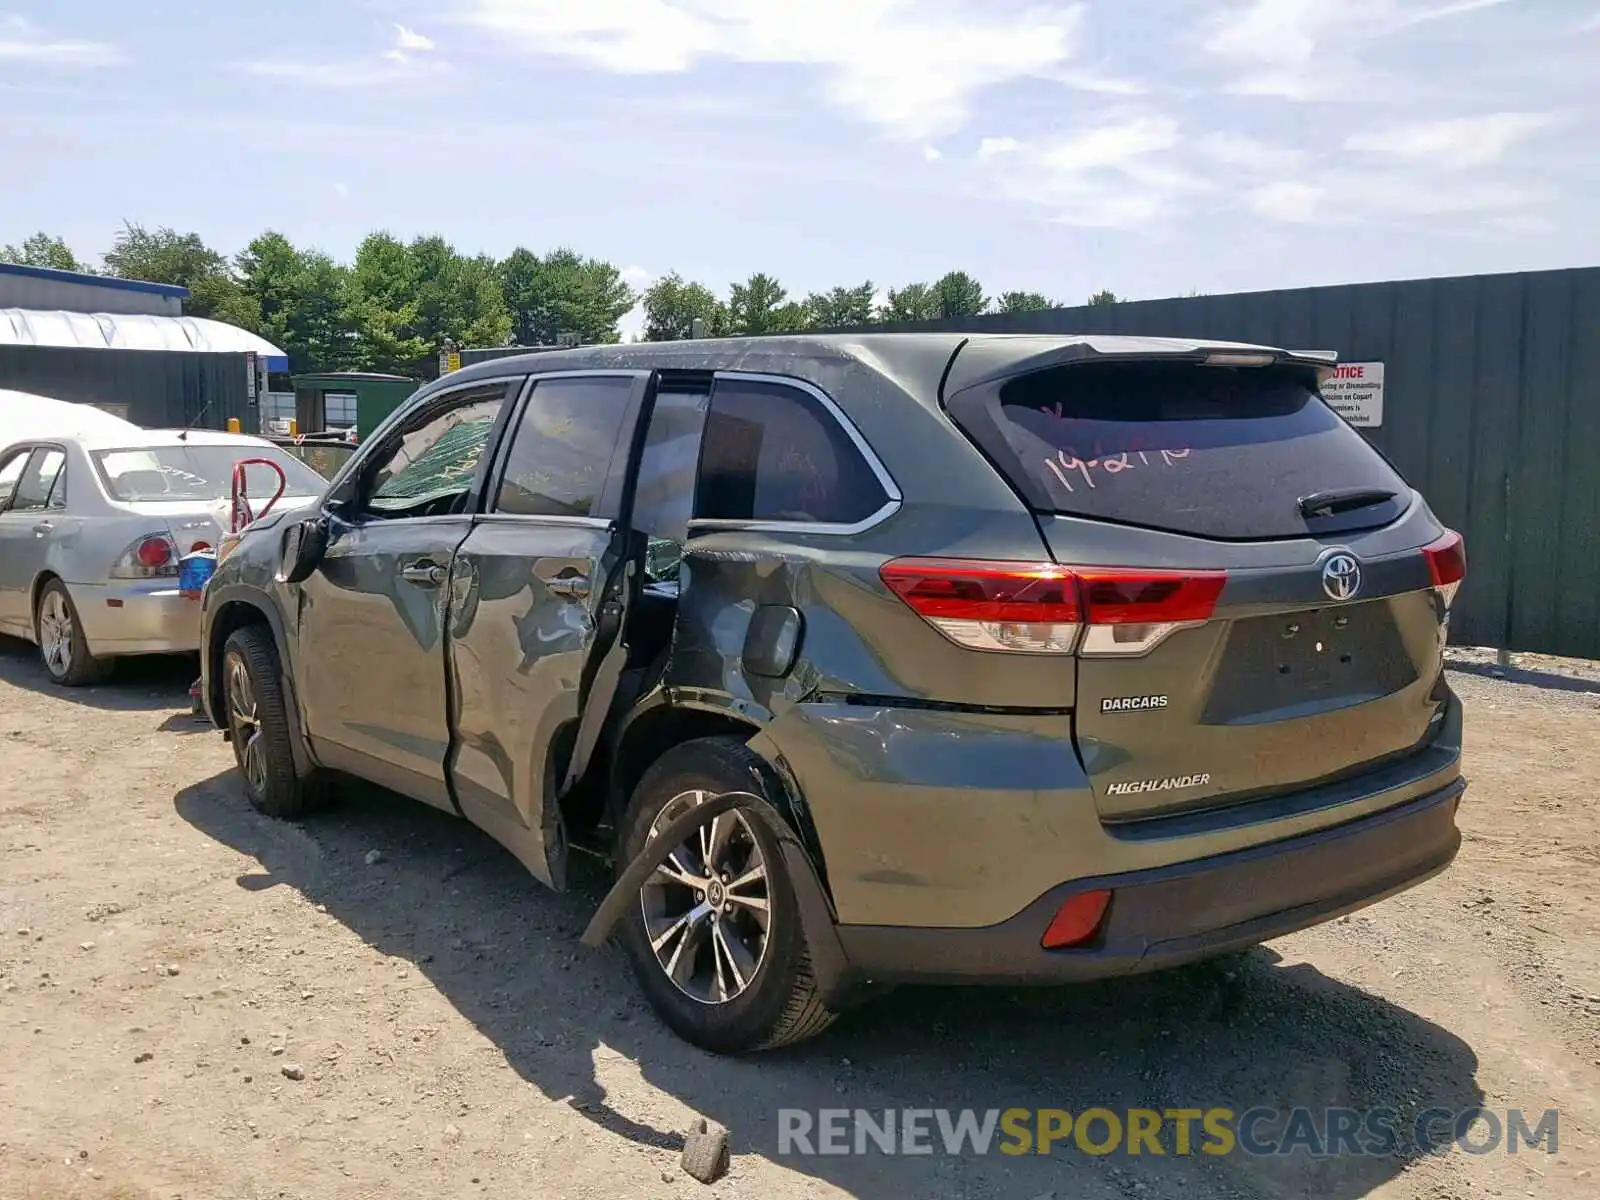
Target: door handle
<point x="423" y="574"/>
<point x="43" y="527"/>
<point x="574" y="587"/>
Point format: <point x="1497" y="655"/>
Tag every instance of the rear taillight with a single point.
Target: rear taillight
<point x="153" y="556"/>
<point x="1043" y="608"/>
<point x="1447" y="564"/>
<point x="1133" y="611"/>
<point x="1030" y="608"/>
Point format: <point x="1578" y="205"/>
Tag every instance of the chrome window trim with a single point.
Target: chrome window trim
<point x="891" y="489"/>
<point x="498" y="518"/>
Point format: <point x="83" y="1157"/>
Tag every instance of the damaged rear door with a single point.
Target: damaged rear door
<point x="539" y="597"/>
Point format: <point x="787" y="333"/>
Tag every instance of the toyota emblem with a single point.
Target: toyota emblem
<point x="1341" y="576"/>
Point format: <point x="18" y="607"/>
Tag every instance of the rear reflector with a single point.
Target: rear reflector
<point x="1041" y="608"/>
<point x="1077" y="921"/>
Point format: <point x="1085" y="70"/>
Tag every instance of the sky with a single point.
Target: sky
<point x="1152" y="147"/>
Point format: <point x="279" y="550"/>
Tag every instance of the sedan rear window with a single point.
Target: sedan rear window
<point x="1221" y="452"/>
<point x="159" y="473"/>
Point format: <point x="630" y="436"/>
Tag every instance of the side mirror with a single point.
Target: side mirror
<point x="304" y="543"/>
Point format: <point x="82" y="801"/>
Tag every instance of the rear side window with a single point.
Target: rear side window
<point x="38" y="481"/>
<point x="1220" y="452"/>
<point x="10" y="473"/>
<point x="562" y="450"/>
<point x="773" y="452"/>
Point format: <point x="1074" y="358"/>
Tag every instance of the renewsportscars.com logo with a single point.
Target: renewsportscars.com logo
<point x="1321" y="1133"/>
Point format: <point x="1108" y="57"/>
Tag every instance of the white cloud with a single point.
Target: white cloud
<point x="410" y="39"/>
<point x="991" y="146"/>
<point x="1100" y="83"/>
<point x="1248" y="153"/>
<point x="1286" y="200"/>
<point x="1121" y="173"/>
<point x="22" y="41"/>
<point x="398" y="64"/>
<point x="1422" y="197"/>
<point x="932" y="153"/>
<point x="1454" y="144"/>
<point x="341" y="190"/>
<point x="906" y="68"/>
<point x="1313" y="49"/>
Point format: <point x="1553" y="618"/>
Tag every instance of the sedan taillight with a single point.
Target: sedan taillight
<point x="154" y="556"/>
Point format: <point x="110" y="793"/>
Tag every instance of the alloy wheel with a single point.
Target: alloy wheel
<point x="244" y="723"/>
<point x="56" y="634"/>
<point x="707" y="909"/>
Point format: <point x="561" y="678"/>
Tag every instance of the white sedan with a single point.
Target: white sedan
<point x="92" y="527"/>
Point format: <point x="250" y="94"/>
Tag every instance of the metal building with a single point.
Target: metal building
<point x="125" y="346"/>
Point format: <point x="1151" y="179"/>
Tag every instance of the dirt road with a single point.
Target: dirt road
<point x="201" y="1002"/>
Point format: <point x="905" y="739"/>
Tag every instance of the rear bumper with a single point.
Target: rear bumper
<point x="137" y="618"/>
<point x="1171" y="915"/>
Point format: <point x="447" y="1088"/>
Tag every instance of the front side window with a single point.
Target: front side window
<point x="38" y="480"/>
<point x="773" y="452"/>
<point x="564" y="445"/>
<point x="431" y="470"/>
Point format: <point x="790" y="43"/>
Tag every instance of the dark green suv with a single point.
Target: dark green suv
<point x="989" y="658"/>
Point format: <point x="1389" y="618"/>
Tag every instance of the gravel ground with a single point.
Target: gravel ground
<point x="201" y="1002"/>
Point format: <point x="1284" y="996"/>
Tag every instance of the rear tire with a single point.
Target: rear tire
<point x="63" y="650"/>
<point x="258" y="726"/>
<point x="737" y="1008"/>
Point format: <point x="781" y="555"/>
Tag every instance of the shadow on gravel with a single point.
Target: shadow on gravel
<point x="140" y="684"/>
<point x="1239" y="1034"/>
<point x="1548" y="680"/>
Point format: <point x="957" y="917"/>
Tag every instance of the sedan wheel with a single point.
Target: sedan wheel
<point x="56" y="631"/>
<point x="706" y="909"/>
<point x="244" y="722"/>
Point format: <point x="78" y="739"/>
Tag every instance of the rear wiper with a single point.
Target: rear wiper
<point x="1325" y="504"/>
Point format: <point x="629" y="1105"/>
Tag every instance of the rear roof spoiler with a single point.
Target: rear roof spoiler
<point x="976" y="363"/>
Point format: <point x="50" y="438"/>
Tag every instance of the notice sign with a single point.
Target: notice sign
<point x="1356" y="393"/>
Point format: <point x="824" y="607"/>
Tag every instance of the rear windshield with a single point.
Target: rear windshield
<point x="1222" y="452"/>
<point x="157" y="473"/>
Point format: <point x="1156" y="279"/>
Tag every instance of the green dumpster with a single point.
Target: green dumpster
<point x="342" y="400"/>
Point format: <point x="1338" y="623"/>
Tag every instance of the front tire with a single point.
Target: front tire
<point x="63" y="650"/>
<point x="258" y="726"/>
<point x="715" y="939"/>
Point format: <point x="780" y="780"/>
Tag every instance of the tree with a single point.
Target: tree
<point x="1022" y="302"/>
<point x="761" y="305"/>
<point x="959" y="295"/>
<point x="184" y="260"/>
<point x="1103" y="297"/>
<point x="563" y="292"/>
<point x="672" y="306"/>
<point x="301" y="298"/>
<point x="408" y="300"/>
<point x="841" y="307"/>
<point x="42" y="250"/>
<point x="914" y="302"/>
